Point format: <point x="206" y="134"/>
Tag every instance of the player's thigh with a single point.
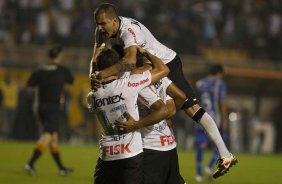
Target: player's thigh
<point x="106" y="172"/>
<point x="132" y="170"/>
<point x="123" y="171"/>
<point x="50" y="117"/>
<point x="174" y="176"/>
<point x="177" y="76"/>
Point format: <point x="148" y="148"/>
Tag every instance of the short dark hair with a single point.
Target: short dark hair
<point x="107" y="8"/>
<point x="215" y="69"/>
<point x="107" y="58"/>
<point x="55" y="51"/>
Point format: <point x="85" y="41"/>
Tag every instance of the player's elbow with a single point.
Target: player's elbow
<point x="166" y="70"/>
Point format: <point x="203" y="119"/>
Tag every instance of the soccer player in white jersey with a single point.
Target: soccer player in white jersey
<point x="130" y="33"/>
<point x="160" y="161"/>
<point x="120" y="155"/>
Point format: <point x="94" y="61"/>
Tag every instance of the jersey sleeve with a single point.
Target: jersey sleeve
<point x="139" y="81"/>
<point x="69" y="77"/>
<point x="132" y="35"/>
<point x="167" y="82"/>
<point x="147" y="96"/>
<point x="168" y="97"/>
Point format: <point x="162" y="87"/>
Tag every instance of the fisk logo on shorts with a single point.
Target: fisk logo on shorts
<point x="167" y="140"/>
<point x="107" y="101"/>
<point x="135" y="84"/>
<point x="116" y="149"/>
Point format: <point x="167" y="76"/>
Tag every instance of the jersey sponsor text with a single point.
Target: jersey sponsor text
<point x="116" y="149"/>
<point x="135" y="84"/>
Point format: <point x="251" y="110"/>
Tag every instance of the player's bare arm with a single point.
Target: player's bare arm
<point x="159" y="69"/>
<point x="127" y="63"/>
<point x="171" y="109"/>
<point x="99" y="45"/>
<point x="158" y="113"/>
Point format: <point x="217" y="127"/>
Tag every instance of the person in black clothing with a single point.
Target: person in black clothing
<point x="50" y="80"/>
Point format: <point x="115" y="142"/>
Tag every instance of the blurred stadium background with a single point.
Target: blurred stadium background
<point x="244" y="36"/>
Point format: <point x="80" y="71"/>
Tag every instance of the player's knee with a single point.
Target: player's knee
<point x="198" y="115"/>
<point x="189" y="102"/>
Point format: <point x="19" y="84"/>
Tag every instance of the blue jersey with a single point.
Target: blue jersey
<point x="211" y="91"/>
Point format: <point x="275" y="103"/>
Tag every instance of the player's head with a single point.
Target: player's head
<point x="216" y="69"/>
<point x="107" y="58"/>
<point x="107" y="20"/>
<point x="55" y="52"/>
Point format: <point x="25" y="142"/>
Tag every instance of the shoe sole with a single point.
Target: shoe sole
<point x="224" y="171"/>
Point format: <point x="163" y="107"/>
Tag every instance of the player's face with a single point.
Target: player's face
<point x="107" y="25"/>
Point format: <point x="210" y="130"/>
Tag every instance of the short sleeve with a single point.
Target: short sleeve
<point x="147" y="96"/>
<point x="69" y="77"/>
<point x="168" y="98"/>
<point x="139" y="81"/>
<point x="132" y="35"/>
<point x="166" y="82"/>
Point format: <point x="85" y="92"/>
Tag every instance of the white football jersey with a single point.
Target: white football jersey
<point x="158" y="136"/>
<point x="132" y="32"/>
<point x="109" y="103"/>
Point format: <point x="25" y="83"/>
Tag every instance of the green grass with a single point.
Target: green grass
<point x="251" y="169"/>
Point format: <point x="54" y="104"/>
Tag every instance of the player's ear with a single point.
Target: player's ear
<point x="116" y="20"/>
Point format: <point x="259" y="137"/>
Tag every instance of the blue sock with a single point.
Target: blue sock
<point x="199" y="160"/>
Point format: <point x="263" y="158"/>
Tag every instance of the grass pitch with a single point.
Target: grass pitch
<point x="251" y="169"/>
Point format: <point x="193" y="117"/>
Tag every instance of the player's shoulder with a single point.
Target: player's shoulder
<point x="127" y="24"/>
<point x="127" y="21"/>
<point x="140" y="78"/>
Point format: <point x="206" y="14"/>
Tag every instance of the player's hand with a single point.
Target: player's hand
<point x="95" y="83"/>
<point x="129" y="126"/>
<point x="99" y="49"/>
<point x="90" y="104"/>
<point x="141" y="50"/>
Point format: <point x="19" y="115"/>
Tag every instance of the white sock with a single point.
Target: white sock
<point x="212" y="131"/>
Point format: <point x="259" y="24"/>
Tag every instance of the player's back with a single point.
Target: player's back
<point x="158" y="136"/>
<point x="50" y="79"/>
<point x="211" y="91"/>
<point x="135" y="33"/>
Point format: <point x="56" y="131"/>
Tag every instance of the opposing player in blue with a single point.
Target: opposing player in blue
<point x="212" y="95"/>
